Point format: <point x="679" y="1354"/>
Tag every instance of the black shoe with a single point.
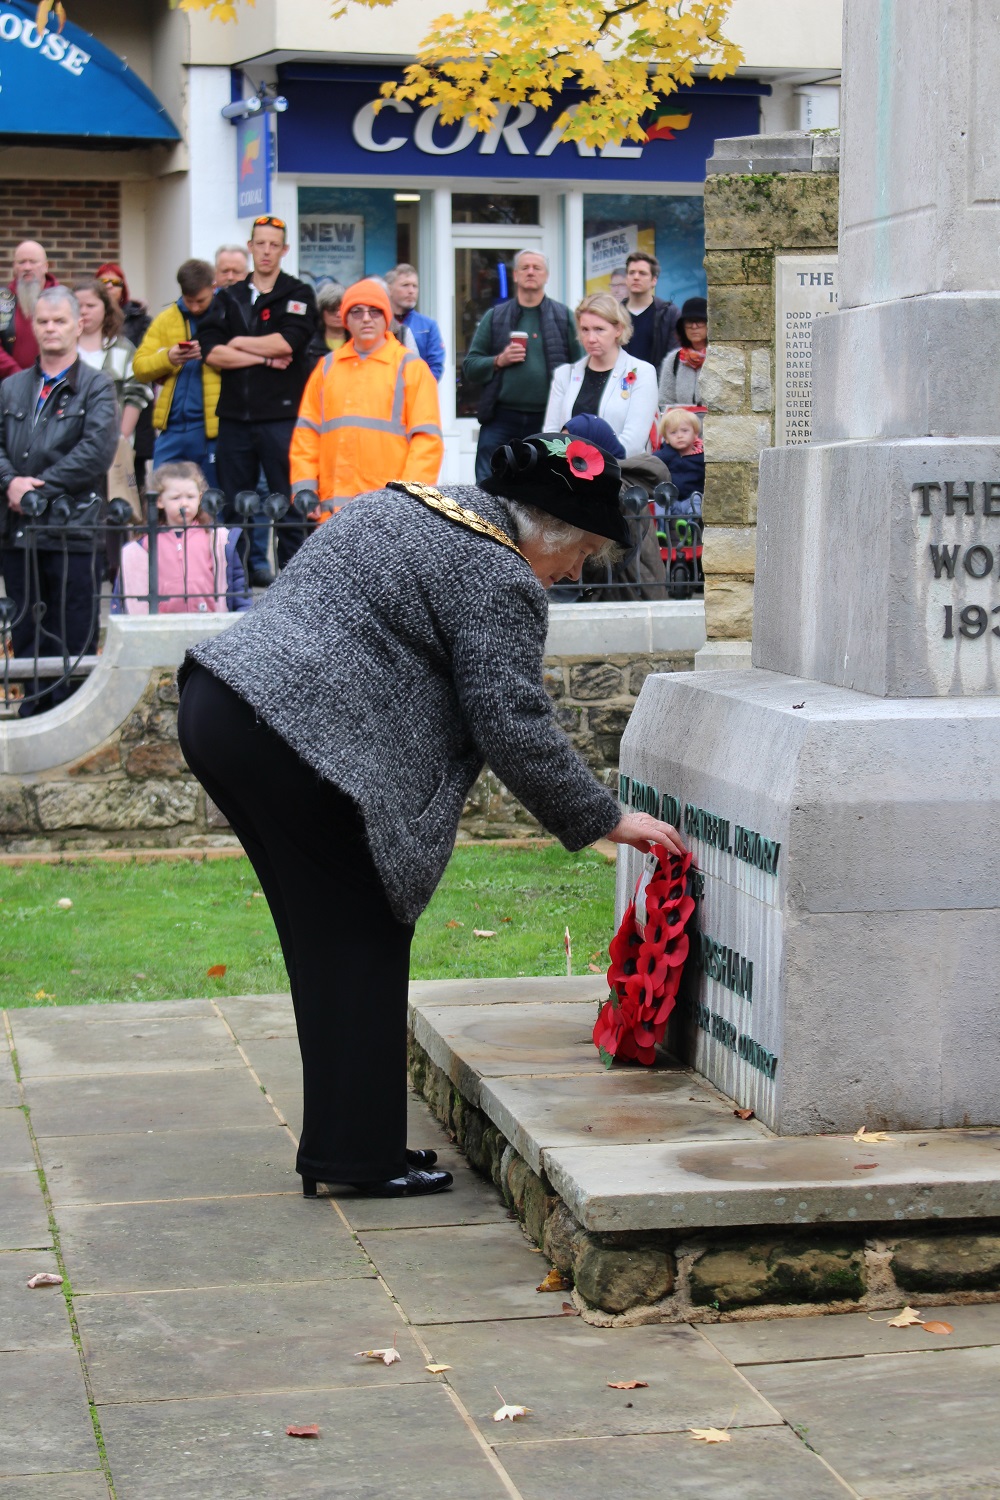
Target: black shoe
<point x="421" y="1159"/>
<point x="261" y="578"/>
<point x="410" y="1185"/>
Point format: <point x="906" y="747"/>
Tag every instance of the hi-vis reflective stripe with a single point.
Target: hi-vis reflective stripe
<point x="430" y="427"/>
<point x="308" y="423"/>
<point x="399" y="395"/>
<point x="371" y="424"/>
<point x="305" y="484"/>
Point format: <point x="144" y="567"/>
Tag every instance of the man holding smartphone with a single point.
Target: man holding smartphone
<point x="170" y="356"/>
<point x="514" y="351"/>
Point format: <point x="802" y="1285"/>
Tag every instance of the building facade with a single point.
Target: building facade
<point x="359" y="190"/>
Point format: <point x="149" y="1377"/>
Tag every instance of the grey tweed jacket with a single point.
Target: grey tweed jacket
<point x="396" y="653"/>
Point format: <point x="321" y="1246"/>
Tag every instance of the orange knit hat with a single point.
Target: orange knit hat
<point x="367" y="293"/>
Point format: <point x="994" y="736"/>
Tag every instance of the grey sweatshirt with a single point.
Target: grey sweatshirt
<point x="396" y="653"/>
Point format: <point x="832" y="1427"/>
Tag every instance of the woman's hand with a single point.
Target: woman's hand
<point x="643" y="831"/>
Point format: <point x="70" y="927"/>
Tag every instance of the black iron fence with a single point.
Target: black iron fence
<point x="72" y="567"/>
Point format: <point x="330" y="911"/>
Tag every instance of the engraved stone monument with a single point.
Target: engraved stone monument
<point x="842" y="797"/>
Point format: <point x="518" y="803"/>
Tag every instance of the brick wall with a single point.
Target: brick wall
<point x="79" y="223"/>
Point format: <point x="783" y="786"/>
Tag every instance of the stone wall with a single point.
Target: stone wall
<point x="130" y="788"/>
<point x="764" y="196"/>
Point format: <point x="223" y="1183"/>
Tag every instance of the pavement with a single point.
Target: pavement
<point x="146" y="1153"/>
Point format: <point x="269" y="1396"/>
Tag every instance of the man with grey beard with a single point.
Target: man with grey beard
<point x="18" y="347"/>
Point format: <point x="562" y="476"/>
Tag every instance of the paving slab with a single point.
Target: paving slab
<point x="259" y="1015"/>
<point x="36" y="1020"/>
<point x="757" y="1464"/>
<point x="476" y="1272"/>
<point x="24" y="1222"/>
<point x="278" y="1065"/>
<point x="470" y="1042"/>
<point x="169" y="1164"/>
<point x="159" y="1246"/>
<point x="782" y="1340"/>
<point x="45" y="1421"/>
<point x="919" y="1426"/>
<point x="789" y="1180"/>
<point x="613" y="1108"/>
<point x="560" y="1367"/>
<point x="16" y="1154"/>
<point x="157" y="1346"/>
<point x="555" y="989"/>
<point x="473" y="1199"/>
<point x="31" y="1318"/>
<point x="115" y="1104"/>
<point x="79" y="1485"/>
<point x="374" y="1444"/>
<point x="137" y="1045"/>
<point x="10" y="1094"/>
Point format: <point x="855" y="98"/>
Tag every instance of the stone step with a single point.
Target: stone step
<point x="660" y="1149"/>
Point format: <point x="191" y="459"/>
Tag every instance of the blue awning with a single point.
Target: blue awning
<point x="68" y="85"/>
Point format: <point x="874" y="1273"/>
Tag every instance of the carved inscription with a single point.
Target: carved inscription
<point x="805" y="289"/>
<point x="957" y="562"/>
<point x="722" y="1030"/>
<point x="698" y="823"/>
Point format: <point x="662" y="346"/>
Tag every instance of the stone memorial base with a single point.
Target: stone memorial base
<point x="849" y="934"/>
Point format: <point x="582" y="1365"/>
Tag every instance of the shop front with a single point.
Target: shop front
<point x="372" y="187"/>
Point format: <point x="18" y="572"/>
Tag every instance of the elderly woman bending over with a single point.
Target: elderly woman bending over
<point x="340" y="726"/>
<point x="606" y="383"/>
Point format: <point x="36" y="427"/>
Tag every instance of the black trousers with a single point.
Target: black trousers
<point x="57" y="611"/>
<point x="242" y="449"/>
<point x="346" y="954"/>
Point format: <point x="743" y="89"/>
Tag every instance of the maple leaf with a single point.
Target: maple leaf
<point x="45" y="1278"/>
<point x="483" y="932"/>
<point x="308" y="1430"/>
<point x="863" y="1136"/>
<point x="937" y="1327"/>
<point x="743" y="1114"/>
<point x="555" y="1281"/>
<point x="709" y="1435"/>
<point x="216" y="971"/>
<point x="507" y="1413"/>
<point x="628" y="1385"/>
<point x="387" y="1356"/>
<point x="904" y="1319"/>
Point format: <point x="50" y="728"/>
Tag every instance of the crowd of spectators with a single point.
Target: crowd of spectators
<point x="255" y="383"/>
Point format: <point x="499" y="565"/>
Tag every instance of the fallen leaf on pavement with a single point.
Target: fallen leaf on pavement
<point x="387" y="1356"/>
<point x="908" y="1316"/>
<point x="628" y="1385"/>
<point x="555" y="1281"/>
<point x="743" y="1114"/>
<point x="936" y="1327"/>
<point x="865" y="1166"/>
<point x="216" y="971"/>
<point x="483" y="932"/>
<point x="308" y="1430"/>
<point x="64" y="903"/>
<point x="437" y="1369"/>
<point x="453" y="923"/>
<point x="508" y="1413"/>
<point x="863" y="1136"/>
<point x="569" y="1311"/>
<point x="49" y="1278"/>
<point x="709" y="1435"/>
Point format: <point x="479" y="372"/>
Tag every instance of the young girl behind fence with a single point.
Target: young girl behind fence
<point x="198" y="568"/>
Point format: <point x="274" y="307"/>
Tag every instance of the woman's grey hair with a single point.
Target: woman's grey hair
<point x="534" y="525"/>
<point x="59" y="293"/>
<point x="330" y="296"/>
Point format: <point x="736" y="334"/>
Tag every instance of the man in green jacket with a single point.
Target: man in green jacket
<point x="170" y="355"/>
<point x="514" y="352"/>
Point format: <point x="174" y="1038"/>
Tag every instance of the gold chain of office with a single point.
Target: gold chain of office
<point x="461" y="514"/>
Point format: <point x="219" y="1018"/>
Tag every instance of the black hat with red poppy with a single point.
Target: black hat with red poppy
<point x="564" y="476"/>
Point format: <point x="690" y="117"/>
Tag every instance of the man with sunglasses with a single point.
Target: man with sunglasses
<point x="370" y="412"/>
<point x="255" y="334"/>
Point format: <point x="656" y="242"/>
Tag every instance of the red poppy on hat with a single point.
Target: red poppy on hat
<point x="585" y="461"/>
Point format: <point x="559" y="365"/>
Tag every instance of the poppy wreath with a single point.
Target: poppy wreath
<point x="646" y="968"/>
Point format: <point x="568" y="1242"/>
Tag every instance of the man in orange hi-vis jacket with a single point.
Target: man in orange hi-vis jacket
<point x="369" y="411"/>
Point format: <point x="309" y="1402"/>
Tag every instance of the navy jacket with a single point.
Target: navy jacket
<point x="686" y="470"/>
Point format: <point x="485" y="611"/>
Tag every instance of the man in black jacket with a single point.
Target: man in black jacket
<point x="654" y="321"/>
<point x="58" y="435"/>
<point x="255" y="334"/>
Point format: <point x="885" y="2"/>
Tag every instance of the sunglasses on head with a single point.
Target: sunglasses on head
<point x="268" y="221"/>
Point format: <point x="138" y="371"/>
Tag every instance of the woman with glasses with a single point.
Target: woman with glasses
<point x="369" y="411"/>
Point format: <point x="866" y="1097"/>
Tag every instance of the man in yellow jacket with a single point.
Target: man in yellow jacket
<point x="170" y="356"/>
<point x="369" y="411"/>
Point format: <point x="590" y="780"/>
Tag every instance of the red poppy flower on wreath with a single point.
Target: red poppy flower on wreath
<point x="646" y="967"/>
<point x="585" y="461"/>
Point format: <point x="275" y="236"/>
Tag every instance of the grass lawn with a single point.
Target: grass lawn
<point x="152" y="931"/>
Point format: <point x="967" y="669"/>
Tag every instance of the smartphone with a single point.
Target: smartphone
<point x="187" y="344"/>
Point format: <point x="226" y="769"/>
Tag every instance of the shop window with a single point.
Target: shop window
<point x="494" y="208"/>
<point x="671" y="228"/>
<point x="482" y="279"/>
<point x="347" y="233"/>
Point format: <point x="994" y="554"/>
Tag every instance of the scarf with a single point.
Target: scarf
<point x="695" y="358"/>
